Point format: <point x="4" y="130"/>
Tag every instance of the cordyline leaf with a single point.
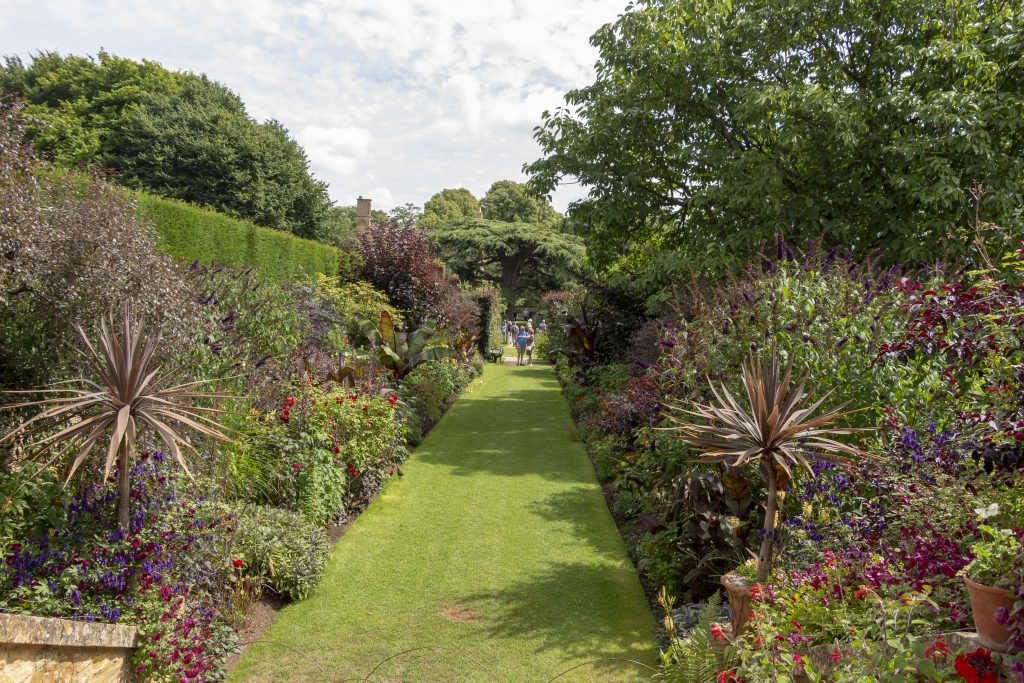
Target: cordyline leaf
<point x="775" y="427"/>
<point x="127" y="394"/>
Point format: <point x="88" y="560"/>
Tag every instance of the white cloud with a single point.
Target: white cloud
<point x="388" y="98"/>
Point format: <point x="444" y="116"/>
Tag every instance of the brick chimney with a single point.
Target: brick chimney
<point x="363" y="214"/>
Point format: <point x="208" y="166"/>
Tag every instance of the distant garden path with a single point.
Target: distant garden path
<point x="495" y="548"/>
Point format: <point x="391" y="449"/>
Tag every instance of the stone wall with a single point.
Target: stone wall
<point x="37" y="649"/>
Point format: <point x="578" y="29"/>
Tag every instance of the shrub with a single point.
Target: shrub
<point x="310" y="453"/>
<point x="347" y="302"/>
<point x="401" y="262"/>
<point x="280" y="549"/>
<point x="491" y="306"/>
<point x="431" y="388"/>
<point x="190" y="233"/>
<point x="73" y="250"/>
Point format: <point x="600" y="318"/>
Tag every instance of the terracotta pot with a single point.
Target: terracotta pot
<point x="740" y="604"/>
<point x="985" y="600"/>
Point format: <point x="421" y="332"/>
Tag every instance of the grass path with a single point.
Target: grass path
<point x="495" y="548"/>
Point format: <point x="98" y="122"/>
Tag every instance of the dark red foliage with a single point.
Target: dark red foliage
<point x="638" y="404"/>
<point x="401" y="262"/>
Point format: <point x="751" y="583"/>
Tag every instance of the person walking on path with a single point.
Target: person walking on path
<point x="521" y="337"/>
<point x="530" y="338"/>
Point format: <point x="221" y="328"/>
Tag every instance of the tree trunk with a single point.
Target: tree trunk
<point x="124" y="491"/>
<point x="767" y="554"/>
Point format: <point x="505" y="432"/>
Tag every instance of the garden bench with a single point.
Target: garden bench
<point x="494" y="355"/>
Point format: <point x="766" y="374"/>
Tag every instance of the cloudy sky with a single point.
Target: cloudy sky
<point x="392" y="99"/>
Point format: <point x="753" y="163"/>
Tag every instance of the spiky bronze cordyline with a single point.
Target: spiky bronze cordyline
<point x="125" y="397"/>
<point x="776" y="432"/>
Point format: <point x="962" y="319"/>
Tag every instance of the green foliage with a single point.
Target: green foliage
<point x="448" y="205"/>
<point x="512" y="255"/>
<point x="29" y="505"/>
<point x="431" y="388"/>
<point x="694" y="657"/>
<point x="77" y="105"/>
<point x="512" y="202"/>
<point x="541" y="347"/>
<point x="351" y="301"/>
<point x="310" y="453"/>
<point x="190" y="233"/>
<point x="998" y="555"/>
<point x="281" y="550"/>
<point x="398" y="351"/>
<point x="713" y="126"/>
<point x="491" y="307"/>
<point x="174" y="134"/>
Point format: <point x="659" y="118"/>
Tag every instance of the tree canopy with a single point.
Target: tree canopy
<point x="514" y="255"/>
<point x="507" y="200"/>
<point x="714" y="125"/>
<point x="449" y="204"/>
<point x="174" y="134"/>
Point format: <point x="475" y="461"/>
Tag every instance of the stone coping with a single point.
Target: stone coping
<point x="20" y="629"/>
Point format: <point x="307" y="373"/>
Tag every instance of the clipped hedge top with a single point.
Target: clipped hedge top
<point x="192" y="233"/>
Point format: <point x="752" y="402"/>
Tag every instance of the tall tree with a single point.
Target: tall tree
<point x="506" y="250"/>
<point x="712" y="125"/>
<point x="507" y="200"/>
<point x="448" y="205"/>
<point x="174" y="134"/>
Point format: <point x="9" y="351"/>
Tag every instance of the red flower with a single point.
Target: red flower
<point x="365" y="408"/>
<point x="237" y="563"/>
<point x="717" y="634"/>
<point x="938" y="650"/>
<point x="392" y="472"/>
<point x="296" y="467"/>
<point x="393" y="399"/>
<point x="336" y="449"/>
<point x="289" y="401"/>
<point x="976" y="667"/>
<point x="728" y="676"/>
<point x="352" y="470"/>
<point x="798" y="660"/>
<point x="836" y="656"/>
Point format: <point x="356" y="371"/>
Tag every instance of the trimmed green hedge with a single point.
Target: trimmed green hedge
<point x="191" y="233"/>
<point x="491" y="306"/>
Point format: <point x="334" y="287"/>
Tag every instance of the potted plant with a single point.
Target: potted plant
<point x="777" y="431"/>
<point x="997" y="557"/>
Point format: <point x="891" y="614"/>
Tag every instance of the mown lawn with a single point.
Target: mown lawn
<point x="493" y="559"/>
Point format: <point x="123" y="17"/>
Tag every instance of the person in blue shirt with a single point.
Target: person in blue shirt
<point x="521" y="336"/>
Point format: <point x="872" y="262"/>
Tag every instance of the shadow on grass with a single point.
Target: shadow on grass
<point x="572" y="607"/>
<point x="584" y="511"/>
<point x="525" y="432"/>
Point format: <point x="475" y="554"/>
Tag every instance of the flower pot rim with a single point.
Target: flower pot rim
<point x="735" y="581"/>
<point x="984" y="587"/>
